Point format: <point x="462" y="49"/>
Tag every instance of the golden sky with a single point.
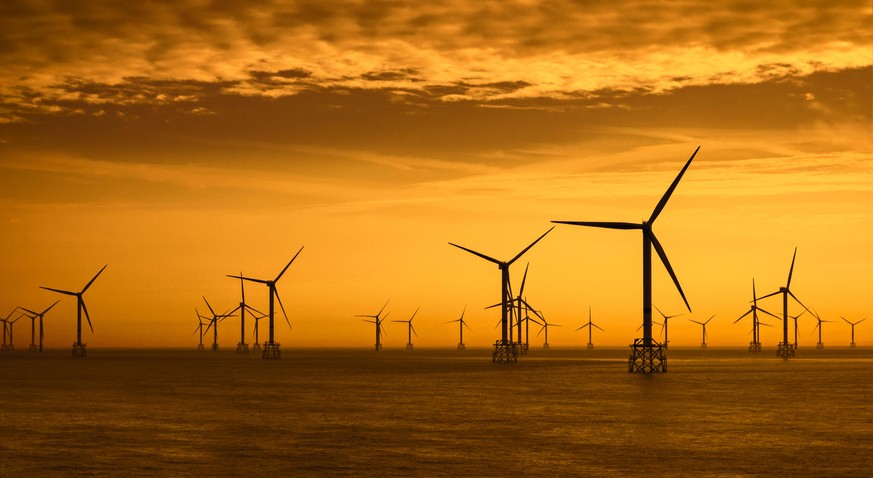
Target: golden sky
<point x="182" y="142"/>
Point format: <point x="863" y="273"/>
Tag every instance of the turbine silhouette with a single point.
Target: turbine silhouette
<point x="410" y="330"/>
<point x="378" y="319"/>
<point x="853" y="324"/>
<point x="461" y="325"/>
<point x="648" y="355"/>
<point x="242" y="347"/>
<point x="664" y="326"/>
<point x="213" y="323"/>
<point x="703" y="342"/>
<point x="755" y="344"/>
<point x="79" y="347"/>
<point x="785" y="348"/>
<point x="33" y="315"/>
<point x="590" y="326"/>
<point x="819" y="321"/>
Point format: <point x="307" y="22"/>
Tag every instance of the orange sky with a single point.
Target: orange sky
<point x="180" y="143"/>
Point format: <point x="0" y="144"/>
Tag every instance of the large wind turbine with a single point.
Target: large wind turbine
<point x="590" y="326"/>
<point x="410" y="330"/>
<point x="703" y="342"/>
<point x="377" y="319"/>
<point x="545" y="327"/>
<point x="755" y="344"/>
<point x="664" y="327"/>
<point x="786" y="349"/>
<point x="461" y="325"/>
<point x="271" y="347"/>
<point x="242" y="347"/>
<point x="33" y="315"/>
<point x="648" y="355"/>
<point x="853" y="324"/>
<point x="79" y="347"/>
<point x="504" y="350"/>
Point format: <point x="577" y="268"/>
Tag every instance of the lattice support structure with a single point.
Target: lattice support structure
<point x="409" y="346"/>
<point x="522" y="348"/>
<point x="271" y="351"/>
<point x="754" y="346"/>
<point x="819" y="345"/>
<point x="461" y="346"/>
<point x="256" y="347"/>
<point x="647" y="358"/>
<point x="242" y="348"/>
<point x="79" y="350"/>
<point x="786" y="350"/>
<point x="504" y="352"/>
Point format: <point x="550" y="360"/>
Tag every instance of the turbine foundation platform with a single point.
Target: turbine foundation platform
<point x="647" y="358"/>
<point x="10" y="347"/>
<point x="786" y="350"/>
<point x="590" y="345"/>
<point x="378" y="347"/>
<point x="522" y="349"/>
<point x="819" y="345"/>
<point x="79" y="350"/>
<point x="461" y="346"/>
<point x="199" y="346"/>
<point x="256" y="347"/>
<point x="4" y="346"/>
<point x="409" y="347"/>
<point x="851" y="345"/>
<point x="215" y="347"/>
<point x="242" y="348"/>
<point x="504" y="352"/>
<point x="754" y="346"/>
<point x="32" y="348"/>
<point x="271" y="351"/>
<point x="702" y="345"/>
<point x="546" y="346"/>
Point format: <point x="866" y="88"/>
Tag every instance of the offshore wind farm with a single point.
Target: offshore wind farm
<point x="423" y="151"/>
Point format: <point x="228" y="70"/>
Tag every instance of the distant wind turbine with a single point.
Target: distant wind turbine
<point x="461" y="325"/>
<point x="242" y="347"/>
<point x="819" y="344"/>
<point x="853" y="324"/>
<point x="79" y="347"/>
<point x="213" y="322"/>
<point x="664" y="326"/>
<point x="410" y="330"/>
<point x="755" y="344"/>
<point x="33" y="315"/>
<point x="271" y="347"/>
<point x="786" y="349"/>
<point x="590" y="326"/>
<point x="545" y="327"/>
<point x="648" y="355"/>
<point x="504" y="350"/>
<point x="199" y="328"/>
<point x="703" y="343"/>
<point x="378" y="319"/>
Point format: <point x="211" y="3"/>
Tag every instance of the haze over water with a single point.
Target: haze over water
<point x="428" y="412"/>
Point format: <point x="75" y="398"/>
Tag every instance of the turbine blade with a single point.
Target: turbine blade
<point x="207" y="305"/>
<point x="769" y="295"/>
<point x="659" y="311"/>
<point x="50" y="307"/>
<point x="60" y="291"/>
<point x="666" y="197"/>
<point x="598" y="327"/>
<point x="741" y="317"/>
<point x="523" y="280"/>
<point x="93" y="279"/>
<point x="250" y="279"/>
<point x="798" y="301"/>
<point x="791" y="270"/>
<point x="87" y="316"/>
<point x="483" y="256"/>
<point x="528" y="247"/>
<point x="383" y="308"/>
<point x="283" y="307"/>
<point x="413" y="314"/>
<point x="666" y="262"/>
<point x="604" y="225"/>
<point x="288" y="265"/>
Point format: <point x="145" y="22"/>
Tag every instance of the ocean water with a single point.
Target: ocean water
<point x="428" y="412"/>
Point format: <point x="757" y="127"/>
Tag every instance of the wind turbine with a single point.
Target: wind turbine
<point x="255" y="334"/>
<point x="703" y="343"/>
<point x="213" y="322"/>
<point x="795" y="317"/>
<point x="6" y="328"/>
<point x="664" y="327"/>
<point x="242" y="347"/>
<point x="378" y="319"/>
<point x="271" y="347"/>
<point x="504" y="350"/>
<point x="78" y="347"/>
<point x="410" y="330"/>
<point x="461" y="325"/>
<point x="820" y="344"/>
<point x="590" y="326"/>
<point x="545" y="327"/>
<point x="10" y="323"/>
<point x="648" y="355"/>
<point x="33" y="315"/>
<point x="853" y="324"/>
<point x="755" y="344"/>
<point x="786" y="349"/>
<point x="199" y="327"/>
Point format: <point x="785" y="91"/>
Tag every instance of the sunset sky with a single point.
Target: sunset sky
<point x="180" y="142"/>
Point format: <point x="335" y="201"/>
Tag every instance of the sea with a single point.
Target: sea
<point x="435" y="412"/>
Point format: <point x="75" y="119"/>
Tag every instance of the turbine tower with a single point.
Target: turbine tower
<point x="703" y="343"/>
<point x="6" y="328"/>
<point x="819" y="344"/>
<point x="545" y="327"/>
<point x="79" y="347"/>
<point x="461" y="325"/>
<point x="33" y="315"/>
<point x="785" y="348"/>
<point x="505" y="351"/>
<point x="755" y="344"/>
<point x="851" y="345"/>
<point x="213" y="322"/>
<point x="648" y="355"/>
<point x="664" y="328"/>
<point x="410" y="330"/>
<point x="271" y="347"/>
<point x="242" y="347"/>
<point x="10" y="323"/>
<point x="590" y="326"/>
<point x="199" y="327"/>
<point x="378" y="319"/>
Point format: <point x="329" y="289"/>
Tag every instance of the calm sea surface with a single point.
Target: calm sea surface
<point x="560" y="412"/>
